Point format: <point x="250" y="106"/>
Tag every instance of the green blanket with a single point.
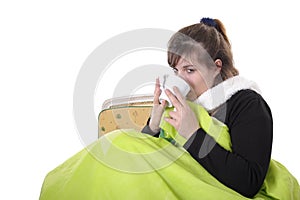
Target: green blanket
<point x="126" y="164"/>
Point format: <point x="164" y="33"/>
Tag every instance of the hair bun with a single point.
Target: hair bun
<point x="208" y="21"/>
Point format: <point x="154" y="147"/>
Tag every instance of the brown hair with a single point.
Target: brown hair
<point x="212" y="38"/>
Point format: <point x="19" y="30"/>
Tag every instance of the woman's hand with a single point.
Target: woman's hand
<point x="183" y="119"/>
<point x="158" y="108"/>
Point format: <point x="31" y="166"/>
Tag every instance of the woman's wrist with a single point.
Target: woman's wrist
<point x="154" y="129"/>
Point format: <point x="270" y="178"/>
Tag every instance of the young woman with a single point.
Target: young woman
<point x="220" y="144"/>
<point x="215" y="84"/>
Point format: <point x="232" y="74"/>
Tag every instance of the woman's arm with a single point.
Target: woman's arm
<point x="148" y="130"/>
<point x="251" y="129"/>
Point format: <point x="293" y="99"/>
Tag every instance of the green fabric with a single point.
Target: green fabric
<point x="126" y="164"/>
<point x="210" y="125"/>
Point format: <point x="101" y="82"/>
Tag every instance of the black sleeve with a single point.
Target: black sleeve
<point x="147" y="130"/>
<point x="251" y="128"/>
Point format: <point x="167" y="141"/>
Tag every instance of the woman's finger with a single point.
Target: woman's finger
<point x="164" y="103"/>
<point x="157" y="83"/>
<point x="171" y="121"/>
<point x="173" y="99"/>
<point x="157" y="92"/>
<point x="179" y="96"/>
<point x="173" y="115"/>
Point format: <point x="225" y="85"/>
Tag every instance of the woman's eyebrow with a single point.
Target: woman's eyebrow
<point x="188" y="65"/>
<point x="184" y="66"/>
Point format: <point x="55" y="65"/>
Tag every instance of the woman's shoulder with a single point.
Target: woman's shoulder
<point x="247" y="100"/>
<point x="246" y="95"/>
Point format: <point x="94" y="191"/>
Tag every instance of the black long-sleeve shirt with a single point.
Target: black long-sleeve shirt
<point x="250" y="124"/>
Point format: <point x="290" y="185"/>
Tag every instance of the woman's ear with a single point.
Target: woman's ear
<point x="219" y="65"/>
<point x="217" y="72"/>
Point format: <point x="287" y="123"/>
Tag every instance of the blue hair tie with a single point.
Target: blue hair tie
<point x="208" y="21"/>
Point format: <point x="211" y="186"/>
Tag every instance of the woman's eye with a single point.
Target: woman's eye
<point x="190" y="70"/>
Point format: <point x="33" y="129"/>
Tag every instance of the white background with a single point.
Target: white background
<point x="44" y="44"/>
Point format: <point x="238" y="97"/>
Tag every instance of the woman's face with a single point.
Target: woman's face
<point x="200" y="78"/>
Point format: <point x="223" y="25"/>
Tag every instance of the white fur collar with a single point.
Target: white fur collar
<point x="219" y="94"/>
